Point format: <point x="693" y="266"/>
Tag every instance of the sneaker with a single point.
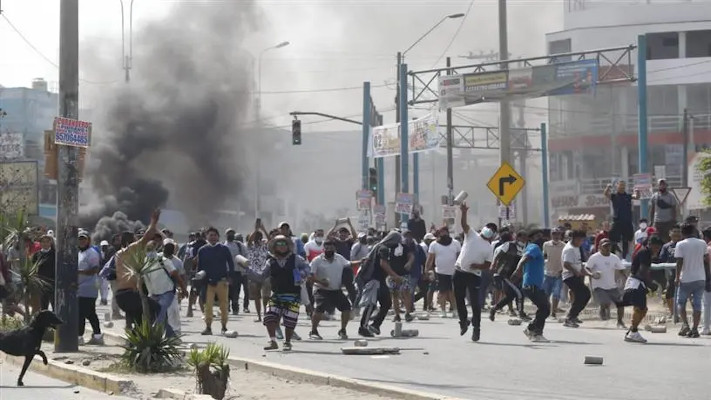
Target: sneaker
<point x="104" y="302"/>
<point x="117" y="316"/>
<point x="409" y="317"/>
<point x="98" y="340"/>
<point x="463" y="327"/>
<point x="272" y="345"/>
<point x="634" y="337"/>
<point x="342" y="334"/>
<point x="684" y="330"/>
<point x="475" y="334"/>
<point x="621" y="325"/>
<point x="286" y="347"/>
<point x="570" y="324"/>
<point x="577" y="320"/>
<point x="706" y="332"/>
<point x="374" y="329"/>
<point x="207" y="331"/>
<point x="223" y="330"/>
<point x="81" y="340"/>
<point x="529" y="333"/>
<point x="258" y="319"/>
<point x="189" y="314"/>
<point x="295" y="336"/>
<point x="279" y="334"/>
<point x="313" y="335"/>
<point x="553" y="316"/>
<point x="539" y="339"/>
<point x="245" y="310"/>
<point x="443" y="314"/>
<point x="524" y="317"/>
<point x="365" y="332"/>
<point x="492" y="315"/>
<point x="235" y="312"/>
<point x="694" y="333"/>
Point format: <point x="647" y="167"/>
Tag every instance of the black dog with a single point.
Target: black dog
<point x="26" y="341"/>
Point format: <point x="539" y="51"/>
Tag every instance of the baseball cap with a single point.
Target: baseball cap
<point x="83" y="234"/>
<point x="605" y="242"/>
<point x="104" y="243"/>
<point x="283" y="223"/>
<point x="228" y="230"/>
<point x="430" y="236"/>
<point x="362" y="235"/>
<point x="168" y="241"/>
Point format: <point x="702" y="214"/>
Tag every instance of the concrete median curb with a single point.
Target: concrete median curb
<point x="180" y="395"/>
<point x="75" y="374"/>
<point x="314" y="377"/>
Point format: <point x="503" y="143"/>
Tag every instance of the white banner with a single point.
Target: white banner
<point x="422" y="135"/>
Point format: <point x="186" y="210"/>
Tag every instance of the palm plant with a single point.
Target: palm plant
<point x="148" y="350"/>
<point x="138" y="265"/>
<point x="31" y="283"/>
<point x="212" y="370"/>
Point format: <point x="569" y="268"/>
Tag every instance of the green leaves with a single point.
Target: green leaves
<point x="147" y="350"/>
<point x="705" y="169"/>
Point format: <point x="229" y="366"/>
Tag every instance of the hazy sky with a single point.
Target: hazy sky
<point x="334" y="44"/>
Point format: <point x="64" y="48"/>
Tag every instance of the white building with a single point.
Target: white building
<point x="593" y="138"/>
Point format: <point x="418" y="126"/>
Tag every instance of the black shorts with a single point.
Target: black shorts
<point x="330" y="299"/>
<point x="636" y="298"/>
<point x="621" y="232"/>
<point x="444" y="283"/>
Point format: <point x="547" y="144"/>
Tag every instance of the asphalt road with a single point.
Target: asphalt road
<point x="503" y="365"/>
<point x="41" y="387"/>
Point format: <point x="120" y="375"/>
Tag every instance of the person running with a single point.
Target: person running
<point x="88" y="288"/>
<point x="574" y="277"/>
<point x="602" y="267"/>
<point x="327" y="274"/>
<point x="553" y="280"/>
<point x="216" y="260"/>
<point x="402" y="258"/>
<point x="442" y="257"/>
<point x="621" y="232"/>
<point x="372" y="288"/>
<point x="476" y="256"/>
<point x="637" y="285"/>
<point x="257" y="253"/>
<point x="506" y="258"/>
<point x="286" y="271"/>
<point x="161" y="281"/>
<point x="692" y="278"/>
<point x="532" y="267"/>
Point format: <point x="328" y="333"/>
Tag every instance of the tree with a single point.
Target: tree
<point x="705" y="169"/>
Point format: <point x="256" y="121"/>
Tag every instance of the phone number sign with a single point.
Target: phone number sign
<point x="72" y="132"/>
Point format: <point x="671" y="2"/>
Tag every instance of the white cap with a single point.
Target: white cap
<point x="104" y="243"/>
<point x="168" y="240"/>
<point x="430" y="236"/>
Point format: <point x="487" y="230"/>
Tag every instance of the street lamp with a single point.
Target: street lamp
<point x="259" y="122"/>
<point x="127" y="59"/>
<point x="400" y="58"/>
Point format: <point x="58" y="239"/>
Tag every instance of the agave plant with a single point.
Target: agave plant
<point x="148" y="350"/>
<point x="139" y="265"/>
<point x="31" y="283"/>
<point x="211" y="370"/>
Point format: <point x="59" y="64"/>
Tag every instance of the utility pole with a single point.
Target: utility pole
<point x="397" y="119"/>
<point x="66" y="338"/>
<point x="685" y="151"/>
<point x="504" y="105"/>
<point x="450" y="145"/>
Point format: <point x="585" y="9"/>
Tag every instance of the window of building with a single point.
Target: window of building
<point x="663" y="45"/>
<point x="560" y="47"/>
<point x="698" y="44"/>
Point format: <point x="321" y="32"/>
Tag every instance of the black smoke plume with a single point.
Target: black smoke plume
<point x="177" y="134"/>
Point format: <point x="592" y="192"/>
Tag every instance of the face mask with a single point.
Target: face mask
<point x="329" y="254"/>
<point x="520" y="243"/>
<point x="643" y="226"/>
<point x="318" y="239"/>
<point x="398" y="250"/>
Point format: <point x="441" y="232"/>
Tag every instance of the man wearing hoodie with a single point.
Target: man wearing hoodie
<point x="286" y="271"/>
<point x="371" y="283"/>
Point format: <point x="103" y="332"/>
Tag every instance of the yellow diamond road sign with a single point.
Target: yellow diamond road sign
<point x="506" y="183"/>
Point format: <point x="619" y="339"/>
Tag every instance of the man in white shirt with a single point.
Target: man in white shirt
<point x="641" y="233"/>
<point x="476" y="255"/>
<point x="553" y="281"/>
<point x="327" y="276"/>
<point x="161" y="286"/>
<point x="574" y="277"/>
<point x="442" y="255"/>
<point x="603" y="266"/>
<point x="692" y="277"/>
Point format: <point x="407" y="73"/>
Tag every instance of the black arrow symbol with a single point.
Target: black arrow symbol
<point x="507" y="179"/>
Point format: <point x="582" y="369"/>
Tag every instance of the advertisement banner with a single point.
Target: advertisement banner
<point x="12" y="146"/>
<point x="449" y="212"/>
<point x="643" y="183"/>
<point x="404" y="203"/>
<point x="574" y="77"/>
<point x="19" y="188"/>
<point x="364" y="199"/>
<point x="363" y="220"/>
<point x="71" y="132"/>
<point x="422" y="135"/>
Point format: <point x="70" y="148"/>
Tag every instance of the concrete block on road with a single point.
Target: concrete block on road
<point x="231" y="334"/>
<point x="593" y="360"/>
<point x="361" y="343"/>
<point x="514" y="321"/>
<point x="108" y="324"/>
<point x="370" y="351"/>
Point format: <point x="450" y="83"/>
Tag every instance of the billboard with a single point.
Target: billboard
<point x="72" y="132"/>
<point x="422" y="136"/>
<point x="19" y="188"/>
<point x="12" y="146"/>
<point x="558" y="79"/>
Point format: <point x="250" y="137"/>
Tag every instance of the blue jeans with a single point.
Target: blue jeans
<point x="165" y="300"/>
<point x="693" y="291"/>
<point x="553" y="285"/>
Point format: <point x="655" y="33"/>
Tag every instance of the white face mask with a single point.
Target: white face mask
<point x="643" y="226"/>
<point x="398" y="250"/>
<point x="318" y="239"/>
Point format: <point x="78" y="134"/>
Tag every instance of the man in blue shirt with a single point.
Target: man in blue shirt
<point x="532" y="265"/>
<point x="216" y="260"/>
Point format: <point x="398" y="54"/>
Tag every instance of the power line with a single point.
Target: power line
<point x="44" y="57"/>
<point x="454" y="37"/>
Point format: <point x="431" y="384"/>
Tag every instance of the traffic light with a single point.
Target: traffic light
<point x="373" y="181"/>
<point x="296" y="132"/>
